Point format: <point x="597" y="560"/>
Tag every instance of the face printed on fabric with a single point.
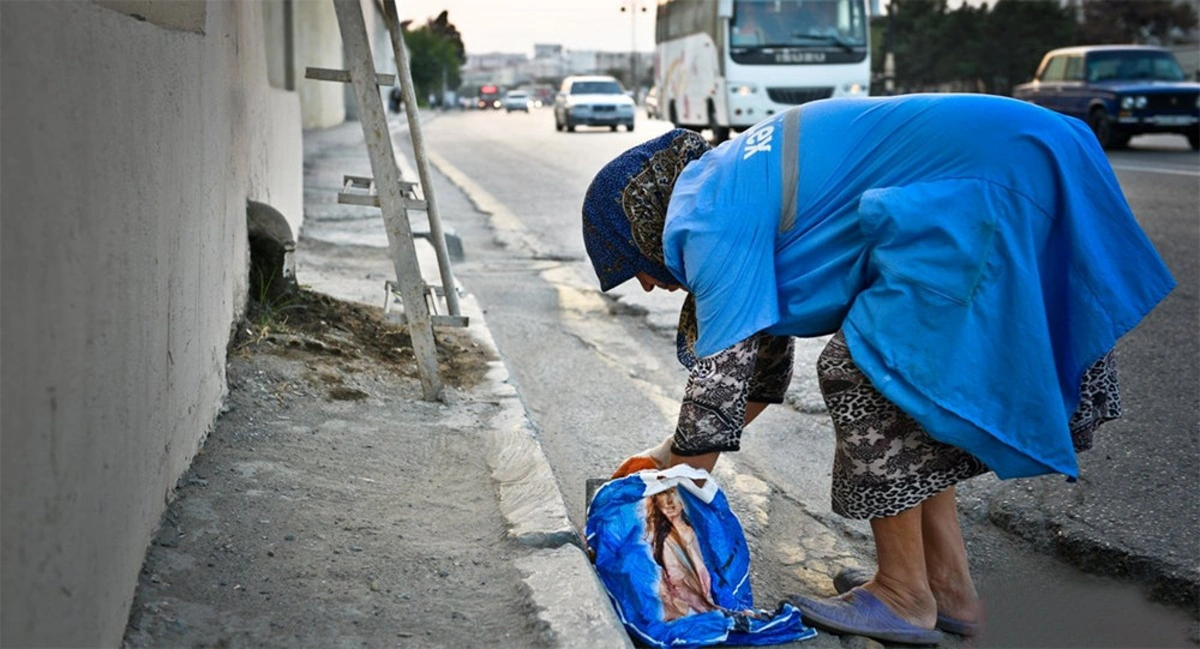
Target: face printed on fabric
<point x="669" y="504"/>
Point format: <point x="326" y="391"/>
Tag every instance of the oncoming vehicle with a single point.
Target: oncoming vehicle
<point x="489" y="96"/>
<point x="1119" y="90"/>
<point x="516" y="100"/>
<point x="595" y="100"/>
<point x="651" y="102"/>
<point x="725" y="65"/>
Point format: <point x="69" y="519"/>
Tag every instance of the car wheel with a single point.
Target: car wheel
<point x="1101" y="126"/>
<point x="1194" y="139"/>
<point x="629" y="127"/>
<point x="570" y="127"/>
<point x="613" y="128"/>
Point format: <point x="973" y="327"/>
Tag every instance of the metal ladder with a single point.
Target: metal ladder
<point x="393" y="195"/>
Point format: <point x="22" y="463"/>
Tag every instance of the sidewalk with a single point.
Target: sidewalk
<point x="331" y="506"/>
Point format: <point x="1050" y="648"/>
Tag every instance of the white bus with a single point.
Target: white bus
<point x="724" y="65"/>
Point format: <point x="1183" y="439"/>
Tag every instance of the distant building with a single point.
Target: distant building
<point x="547" y="51"/>
<point x="493" y="61"/>
<point x="550" y="63"/>
<point x="581" y="61"/>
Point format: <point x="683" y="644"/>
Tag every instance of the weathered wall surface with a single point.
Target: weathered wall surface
<point x="130" y="148"/>
<point x="319" y="44"/>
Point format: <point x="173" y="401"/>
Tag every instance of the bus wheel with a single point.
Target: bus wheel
<point x="719" y="133"/>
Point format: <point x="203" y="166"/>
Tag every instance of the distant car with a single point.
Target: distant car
<point x="516" y="100"/>
<point x="489" y="97"/>
<point x="1119" y="90"/>
<point x="651" y="102"/>
<point x="593" y="100"/>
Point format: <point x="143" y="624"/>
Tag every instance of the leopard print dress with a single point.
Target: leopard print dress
<point x="885" y="463"/>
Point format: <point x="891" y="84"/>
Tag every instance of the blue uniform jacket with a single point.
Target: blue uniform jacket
<point x="977" y="251"/>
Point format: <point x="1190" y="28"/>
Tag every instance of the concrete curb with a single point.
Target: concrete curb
<point x="570" y="601"/>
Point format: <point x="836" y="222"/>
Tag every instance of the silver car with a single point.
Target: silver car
<point x="593" y="100"/>
<point x="516" y="100"/>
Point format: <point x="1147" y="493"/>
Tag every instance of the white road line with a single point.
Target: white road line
<point x="1158" y="170"/>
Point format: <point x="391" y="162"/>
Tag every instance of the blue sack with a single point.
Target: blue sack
<point x="674" y="561"/>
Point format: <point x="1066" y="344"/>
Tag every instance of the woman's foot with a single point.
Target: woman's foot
<point x="955" y="614"/>
<point x="959" y="609"/>
<point x="860" y="612"/>
<point x="917" y="606"/>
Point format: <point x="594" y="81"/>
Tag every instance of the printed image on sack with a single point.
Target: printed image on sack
<point x="673" y="558"/>
<point x="685" y="585"/>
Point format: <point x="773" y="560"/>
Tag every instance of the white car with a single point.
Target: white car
<point x="593" y="100"/>
<point x="516" y="100"/>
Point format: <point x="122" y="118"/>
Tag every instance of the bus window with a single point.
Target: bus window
<point x="766" y="23"/>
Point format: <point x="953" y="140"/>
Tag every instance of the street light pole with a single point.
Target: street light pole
<point x="889" y="56"/>
<point x="633" y="6"/>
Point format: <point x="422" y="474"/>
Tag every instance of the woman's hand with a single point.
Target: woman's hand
<point x="655" y="458"/>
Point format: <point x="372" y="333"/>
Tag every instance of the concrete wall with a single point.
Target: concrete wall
<point x="318" y="45"/>
<point x="130" y="149"/>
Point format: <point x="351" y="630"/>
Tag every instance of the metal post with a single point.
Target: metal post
<point x="418" y="142"/>
<point x="391" y="201"/>
<point x="632" y="8"/>
<point x="633" y="80"/>
<point x="889" y="56"/>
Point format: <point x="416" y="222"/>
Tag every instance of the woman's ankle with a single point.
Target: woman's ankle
<point x="956" y="600"/>
<point x="913" y="602"/>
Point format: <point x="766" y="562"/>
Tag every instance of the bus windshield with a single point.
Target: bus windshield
<point x="798" y="23"/>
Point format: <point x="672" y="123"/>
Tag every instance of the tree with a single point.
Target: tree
<point x="436" y="56"/>
<point x="915" y="27"/>
<point x="1021" y="32"/>
<point x="975" y="48"/>
<point x="1135" y="21"/>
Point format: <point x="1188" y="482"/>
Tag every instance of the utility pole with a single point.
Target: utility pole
<point x="633" y="7"/>
<point x="889" y="55"/>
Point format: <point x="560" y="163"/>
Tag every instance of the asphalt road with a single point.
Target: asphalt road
<point x="599" y="379"/>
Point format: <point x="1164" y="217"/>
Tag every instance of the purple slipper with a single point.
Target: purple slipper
<point x="852" y="577"/>
<point x="862" y="614"/>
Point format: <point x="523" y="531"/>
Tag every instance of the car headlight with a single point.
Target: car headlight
<point x="742" y="89"/>
<point x="1133" y="101"/>
<point x="854" y="88"/>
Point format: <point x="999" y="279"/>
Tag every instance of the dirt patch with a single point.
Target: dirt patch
<point x="307" y="321"/>
<point x="331" y="506"/>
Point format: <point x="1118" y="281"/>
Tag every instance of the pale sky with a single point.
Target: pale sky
<point x="515" y="25"/>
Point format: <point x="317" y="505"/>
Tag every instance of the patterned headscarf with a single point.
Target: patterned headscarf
<point x="625" y="208"/>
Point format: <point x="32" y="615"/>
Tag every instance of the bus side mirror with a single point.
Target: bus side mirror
<point x="724" y="8"/>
